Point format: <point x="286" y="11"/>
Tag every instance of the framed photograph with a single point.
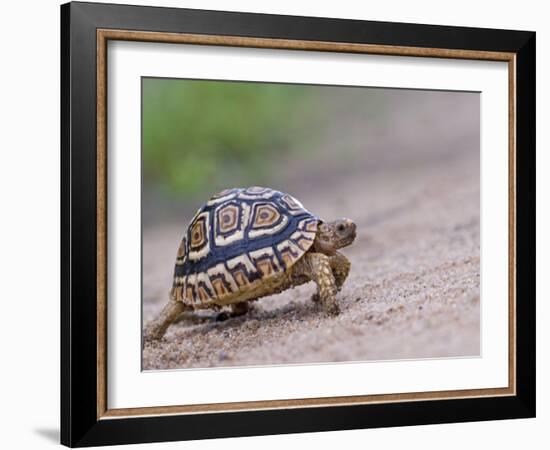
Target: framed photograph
<point x="277" y="224"/>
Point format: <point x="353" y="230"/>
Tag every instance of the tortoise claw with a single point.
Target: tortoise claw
<point x="333" y="310"/>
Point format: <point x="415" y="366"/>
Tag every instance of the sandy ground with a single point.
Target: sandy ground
<point x="413" y="290"/>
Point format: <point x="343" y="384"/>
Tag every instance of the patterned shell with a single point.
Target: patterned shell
<point x="237" y="240"/>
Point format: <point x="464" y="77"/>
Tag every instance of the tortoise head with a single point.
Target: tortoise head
<point x="334" y="235"/>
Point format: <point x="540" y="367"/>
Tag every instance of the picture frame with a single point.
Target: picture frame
<point x="86" y="418"/>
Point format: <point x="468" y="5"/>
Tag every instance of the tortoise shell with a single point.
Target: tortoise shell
<point x="239" y="239"/>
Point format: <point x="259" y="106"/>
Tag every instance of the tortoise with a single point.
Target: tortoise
<point x="247" y="243"/>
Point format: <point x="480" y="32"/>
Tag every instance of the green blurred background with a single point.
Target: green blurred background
<point x="201" y="135"/>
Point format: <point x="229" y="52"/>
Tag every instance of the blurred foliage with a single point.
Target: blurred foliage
<point x="199" y="135"/>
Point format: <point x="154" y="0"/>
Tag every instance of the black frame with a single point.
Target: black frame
<point x="79" y="423"/>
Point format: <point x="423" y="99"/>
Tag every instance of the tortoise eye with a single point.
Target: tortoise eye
<point x="341" y="227"/>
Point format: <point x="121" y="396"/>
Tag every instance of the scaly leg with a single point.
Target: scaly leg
<point x="340" y="266"/>
<point x="316" y="266"/>
<point x="237" y="309"/>
<point x="156" y="328"/>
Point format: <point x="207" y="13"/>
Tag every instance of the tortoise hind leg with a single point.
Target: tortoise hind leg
<point x="156" y="328"/>
<point x="237" y="309"/>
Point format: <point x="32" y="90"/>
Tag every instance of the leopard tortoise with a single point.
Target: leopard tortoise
<point x="244" y="244"/>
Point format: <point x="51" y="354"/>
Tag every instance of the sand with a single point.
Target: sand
<point x="414" y="286"/>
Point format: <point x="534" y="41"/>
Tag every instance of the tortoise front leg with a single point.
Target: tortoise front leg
<point x="156" y="328"/>
<point x="316" y="266"/>
<point x="340" y="266"/>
